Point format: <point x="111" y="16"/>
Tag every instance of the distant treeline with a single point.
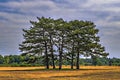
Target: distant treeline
<point x="19" y="60"/>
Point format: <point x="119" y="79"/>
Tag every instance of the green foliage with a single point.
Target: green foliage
<point x="49" y="36"/>
<point x="1" y="59"/>
<point x="25" y="61"/>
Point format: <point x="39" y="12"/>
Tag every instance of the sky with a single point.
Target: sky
<point x="16" y="14"/>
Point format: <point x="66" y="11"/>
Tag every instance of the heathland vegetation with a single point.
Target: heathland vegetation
<point x="39" y="73"/>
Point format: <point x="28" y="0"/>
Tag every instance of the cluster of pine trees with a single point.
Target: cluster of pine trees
<point x="52" y="37"/>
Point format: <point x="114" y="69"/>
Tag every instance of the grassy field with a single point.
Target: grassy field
<point x="39" y="73"/>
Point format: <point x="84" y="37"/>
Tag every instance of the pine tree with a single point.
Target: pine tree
<point x="74" y="38"/>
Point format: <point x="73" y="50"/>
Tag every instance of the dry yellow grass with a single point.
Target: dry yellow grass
<point x="38" y="73"/>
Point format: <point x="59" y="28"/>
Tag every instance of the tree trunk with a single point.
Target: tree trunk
<point x="72" y="62"/>
<point x="110" y="62"/>
<point x="46" y="56"/>
<point x="60" y="58"/>
<point x="77" y="64"/>
<point x="72" y="56"/>
<point x="53" y="63"/>
<point x="78" y="54"/>
<point x="60" y="54"/>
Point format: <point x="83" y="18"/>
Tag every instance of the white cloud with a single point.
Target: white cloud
<point x="102" y="5"/>
<point x="18" y="13"/>
<point x="29" y="5"/>
<point x="100" y="2"/>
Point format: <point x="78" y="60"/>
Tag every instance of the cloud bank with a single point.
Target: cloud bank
<point x="15" y="15"/>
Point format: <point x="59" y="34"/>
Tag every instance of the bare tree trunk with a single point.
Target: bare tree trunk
<point x="52" y="54"/>
<point x="60" y="58"/>
<point x="72" y="62"/>
<point x="53" y="63"/>
<point x="78" y="54"/>
<point x="77" y="64"/>
<point x="46" y="56"/>
<point x="72" y="56"/>
<point x="60" y="55"/>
